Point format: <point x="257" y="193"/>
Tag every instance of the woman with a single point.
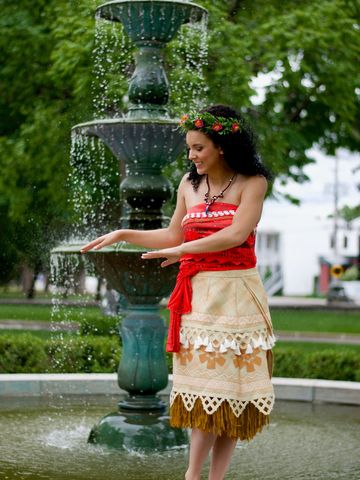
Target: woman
<point x="220" y="328"/>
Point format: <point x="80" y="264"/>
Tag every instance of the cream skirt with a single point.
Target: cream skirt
<point x="222" y="374"/>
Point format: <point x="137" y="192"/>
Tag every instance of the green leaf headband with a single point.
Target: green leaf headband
<point x="207" y="123"/>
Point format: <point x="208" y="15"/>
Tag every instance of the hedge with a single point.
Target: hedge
<point x="326" y="364"/>
<point x="95" y="354"/>
<point x="100" y="326"/>
<point x="27" y="354"/>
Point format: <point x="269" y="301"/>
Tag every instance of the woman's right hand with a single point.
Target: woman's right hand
<point x="102" y="241"/>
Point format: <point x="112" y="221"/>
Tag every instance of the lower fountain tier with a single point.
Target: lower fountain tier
<point x="142" y="282"/>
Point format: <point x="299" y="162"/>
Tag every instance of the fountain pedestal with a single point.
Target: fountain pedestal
<point x="145" y="140"/>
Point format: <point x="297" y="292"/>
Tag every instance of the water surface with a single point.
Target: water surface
<point x="44" y="439"/>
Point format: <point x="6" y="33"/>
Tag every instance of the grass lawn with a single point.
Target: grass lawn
<point x="14" y="293"/>
<point x="316" y="321"/>
<point x="42" y="313"/>
<point x="315" y="347"/>
<point x="325" y="321"/>
<point x="43" y="334"/>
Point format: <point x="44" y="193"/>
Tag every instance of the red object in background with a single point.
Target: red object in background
<point x="324" y="278"/>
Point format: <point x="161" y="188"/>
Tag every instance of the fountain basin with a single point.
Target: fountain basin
<point x="309" y="441"/>
<point x="151" y="21"/>
<point x="123" y="267"/>
<point x="146" y="143"/>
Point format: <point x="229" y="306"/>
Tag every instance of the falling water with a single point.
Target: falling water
<point x="113" y="63"/>
<point x="188" y="57"/>
<point x="93" y="180"/>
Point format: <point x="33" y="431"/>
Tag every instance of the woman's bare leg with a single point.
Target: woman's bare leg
<point x="221" y="455"/>
<point x="200" y="445"/>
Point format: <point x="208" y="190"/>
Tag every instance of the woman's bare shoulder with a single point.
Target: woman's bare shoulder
<point x="257" y="182"/>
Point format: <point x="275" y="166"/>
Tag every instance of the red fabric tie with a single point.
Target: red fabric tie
<point x="180" y="304"/>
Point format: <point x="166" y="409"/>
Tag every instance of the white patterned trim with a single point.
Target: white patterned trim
<point x="220" y="213"/>
<point x="210" y="404"/>
<point x="224" y="341"/>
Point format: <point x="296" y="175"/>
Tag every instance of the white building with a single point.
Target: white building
<point x="292" y="238"/>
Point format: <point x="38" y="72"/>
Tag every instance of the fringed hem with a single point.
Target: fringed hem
<point x="222" y="422"/>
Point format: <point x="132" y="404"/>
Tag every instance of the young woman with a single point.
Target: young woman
<point x="220" y="328"/>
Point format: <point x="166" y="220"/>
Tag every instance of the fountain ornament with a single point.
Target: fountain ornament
<point x="145" y="140"/>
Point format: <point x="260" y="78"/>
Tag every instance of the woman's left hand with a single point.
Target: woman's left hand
<point x="172" y="255"/>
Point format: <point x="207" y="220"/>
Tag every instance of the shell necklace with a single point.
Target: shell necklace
<point x="210" y="200"/>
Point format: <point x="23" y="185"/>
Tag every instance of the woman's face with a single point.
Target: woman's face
<point x="206" y="156"/>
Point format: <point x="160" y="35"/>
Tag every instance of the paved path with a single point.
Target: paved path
<point x="37" y="326"/>
<point x="314" y="337"/>
<point x="48" y="302"/>
<point x="304" y="303"/>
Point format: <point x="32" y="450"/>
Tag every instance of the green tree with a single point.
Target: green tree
<point x="310" y="50"/>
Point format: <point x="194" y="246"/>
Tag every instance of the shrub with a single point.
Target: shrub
<point x="83" y="354"/>
<point x="325" y="364"/>
<point x="26" y="353"/>
<point x="22" y="354"/>
<point x="100" y="326"/>
<point x="336" y="365"/>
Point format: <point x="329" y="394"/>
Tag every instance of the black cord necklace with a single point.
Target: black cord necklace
<point x="209" y="201"/>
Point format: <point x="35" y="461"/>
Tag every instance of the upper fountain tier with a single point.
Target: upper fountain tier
<point x="146" y="139"/>
<point x="148" y="22"/>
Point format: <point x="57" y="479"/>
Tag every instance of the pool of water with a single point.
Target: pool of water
<point x="47" y="439"/>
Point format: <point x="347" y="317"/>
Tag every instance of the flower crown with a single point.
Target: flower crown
<point x="208" y="123"/>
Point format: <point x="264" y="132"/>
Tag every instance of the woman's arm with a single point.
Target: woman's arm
<point x="244" y="222"/>
<point x="160" y="238"/>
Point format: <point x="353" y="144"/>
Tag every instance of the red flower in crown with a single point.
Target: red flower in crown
<point x="183" y="119"/>
<point x="199" y="123"/>
<point x="217" y="127"/>
<point x="235" y="127"/>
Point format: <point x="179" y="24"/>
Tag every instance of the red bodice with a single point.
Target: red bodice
<point x="197" y="224"/>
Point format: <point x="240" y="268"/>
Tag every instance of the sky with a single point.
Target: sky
<point x="319" y="190"/>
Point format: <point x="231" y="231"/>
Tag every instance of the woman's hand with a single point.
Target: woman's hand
<point x="103" y="241"/>
<point x="172" y="255"/>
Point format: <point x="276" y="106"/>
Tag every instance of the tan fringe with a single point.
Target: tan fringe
<point x="223" y="422"/>
<point x="270" y="362"/>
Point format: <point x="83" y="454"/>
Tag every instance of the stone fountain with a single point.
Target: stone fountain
<point x="145" y="140"/>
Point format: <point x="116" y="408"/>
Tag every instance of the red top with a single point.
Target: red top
<point x="197" y="224"/>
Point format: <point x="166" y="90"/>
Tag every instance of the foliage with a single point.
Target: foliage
<point x="28" y="354"/>
<point x="309" y="49"/>
<point x="351" y="274"/>
<point x="350" y="213"/>
<point x="102" y="326"/>
<point x="22" y="354"/>
<point x="83" y="354"/>
<point x="325" y="364"/>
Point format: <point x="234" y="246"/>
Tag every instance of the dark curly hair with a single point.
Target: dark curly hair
<point x="239" y="148"/>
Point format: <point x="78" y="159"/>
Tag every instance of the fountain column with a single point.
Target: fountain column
<point x="146" y="139"/>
